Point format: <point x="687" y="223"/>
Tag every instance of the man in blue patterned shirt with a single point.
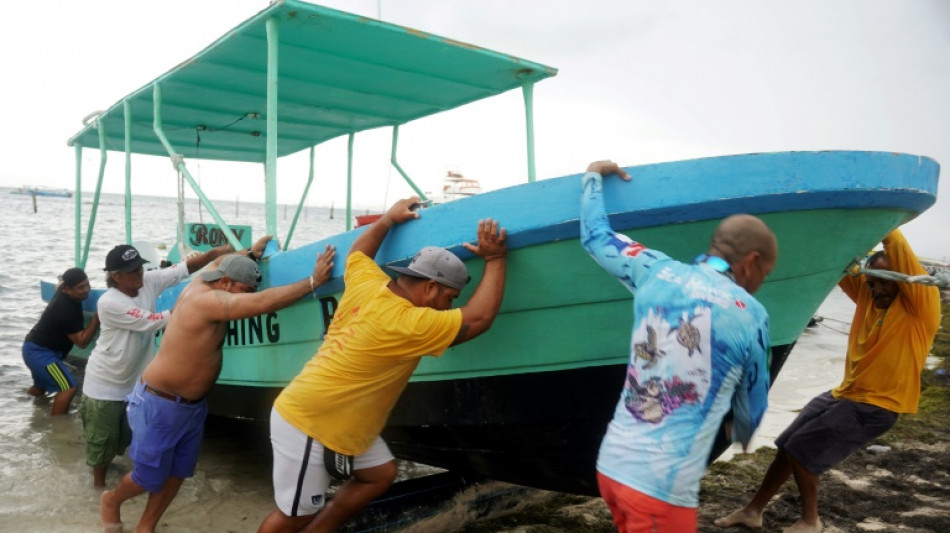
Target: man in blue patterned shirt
<point x="700" y="347"/>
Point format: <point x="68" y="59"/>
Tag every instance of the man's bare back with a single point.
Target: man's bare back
<point x="189" y="358"/>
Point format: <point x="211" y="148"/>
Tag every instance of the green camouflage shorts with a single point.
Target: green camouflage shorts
<point x="106" y="428"/>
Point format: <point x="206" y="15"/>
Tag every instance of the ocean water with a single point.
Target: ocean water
<point x="45" y="483"/>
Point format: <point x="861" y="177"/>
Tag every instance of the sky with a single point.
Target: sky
<point x="639" y="82"/>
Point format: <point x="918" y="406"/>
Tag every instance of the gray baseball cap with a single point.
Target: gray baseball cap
<point x="437" y="264"/>
<point x="237" y="267"/>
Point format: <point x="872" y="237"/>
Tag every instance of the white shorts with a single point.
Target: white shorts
<point x="300" y="480"/>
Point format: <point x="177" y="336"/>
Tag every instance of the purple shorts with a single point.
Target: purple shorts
<point x="828" y="430"/>
<point x="166" y="437"/>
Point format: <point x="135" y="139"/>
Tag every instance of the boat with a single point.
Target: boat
<point x="43" y="191"/>
<point x="528" y="401"/>
<point x="456" y="186"/>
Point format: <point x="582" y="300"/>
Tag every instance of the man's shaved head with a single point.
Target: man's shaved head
<point x="750" y="248"/>
<point x="739" y="235"/>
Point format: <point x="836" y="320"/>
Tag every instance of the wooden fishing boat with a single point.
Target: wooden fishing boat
<point x="528" y="401"/>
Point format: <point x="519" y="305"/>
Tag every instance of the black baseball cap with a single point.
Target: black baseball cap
<point x="125" y="258"/>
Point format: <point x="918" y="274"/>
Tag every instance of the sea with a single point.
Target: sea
<point x="45" y="483"/>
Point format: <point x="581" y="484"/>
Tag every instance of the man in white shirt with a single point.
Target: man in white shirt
<point x="126" y="344"/>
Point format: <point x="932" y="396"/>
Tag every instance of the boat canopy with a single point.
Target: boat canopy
<point x="338" y="74"/>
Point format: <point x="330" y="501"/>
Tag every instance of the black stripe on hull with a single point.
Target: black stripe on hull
<point x="541" y="430"/>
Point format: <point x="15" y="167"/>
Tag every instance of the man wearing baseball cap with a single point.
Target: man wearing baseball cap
<point x="327" y="421"/>
<point x="126" y="344"/>
<point x="48" y="343"/>
<point x="167" y="407"/>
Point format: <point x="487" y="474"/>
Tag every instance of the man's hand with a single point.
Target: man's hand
<point x="323" y="266"/>
<point x="606" y="168"/>
<point x="258" y="247"/>
<point x="492" y="243"/>
<point x="401" y="211"/>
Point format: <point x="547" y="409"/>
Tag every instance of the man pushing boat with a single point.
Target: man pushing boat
<point x="167" y="407"/>
<point x="327" y="422"/>
<point x="892" y="331"/>
<point x="700" y="347"/>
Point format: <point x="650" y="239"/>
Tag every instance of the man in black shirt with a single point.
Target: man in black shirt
<point x="47" y="344"/>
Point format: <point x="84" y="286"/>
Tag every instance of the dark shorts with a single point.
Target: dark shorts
<point x="828" y="430"/>
<point x="166" y="437"/>
<point x="47" y="367"/>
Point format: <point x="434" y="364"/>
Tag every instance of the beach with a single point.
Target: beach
<point x="47" y="486"/>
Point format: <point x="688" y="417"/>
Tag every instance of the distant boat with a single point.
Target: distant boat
<point x="455" y="186"/>
<point x="43" y="191"/>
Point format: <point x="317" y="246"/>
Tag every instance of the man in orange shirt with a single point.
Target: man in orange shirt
<point x="891" y="333"/>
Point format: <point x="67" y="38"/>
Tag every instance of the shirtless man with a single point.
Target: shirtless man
<point x="175" y="383"/>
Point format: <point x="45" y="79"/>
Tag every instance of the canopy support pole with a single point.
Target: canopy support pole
<point x="349" y="183"/>
<point x="392" y="159"/>
<point x="270" y="161"/>
<point x="528" y="92"/>
<point x="303" y="198"/>
<point x="77" y="259"/>
<point x="179" y="162"/>
<point x="95" y="199"/>
<point x="127" y="111"/>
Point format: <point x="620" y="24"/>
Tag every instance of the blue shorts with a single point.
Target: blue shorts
<point x="49" y="371"/>
<point x="166" y="437"/>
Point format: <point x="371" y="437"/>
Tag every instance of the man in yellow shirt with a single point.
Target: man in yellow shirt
<point x="891" y="333"/>
<point x="328" y="420"/>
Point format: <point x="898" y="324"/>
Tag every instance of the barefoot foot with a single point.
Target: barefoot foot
<point x="802" y="527"/>
<point x="109" y="513"/>
<point x="742" y="517"/>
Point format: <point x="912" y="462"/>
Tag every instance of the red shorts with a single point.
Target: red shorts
<point x="635" y="512"/>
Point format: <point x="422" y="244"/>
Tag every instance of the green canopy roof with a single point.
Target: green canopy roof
<point x="339" y="73"/>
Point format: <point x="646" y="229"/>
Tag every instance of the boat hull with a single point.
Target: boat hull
<point x="527" y="401"/>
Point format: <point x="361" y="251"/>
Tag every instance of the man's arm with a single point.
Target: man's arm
<point x="751" y="397"/>
<point x="198" y="261"/>
<point x="82" y="337"/>
<point x="920" y="300"/>
<point x="220" y="305"/>
<point x="616" y="253"/>
<point x="370" y="240"/>
<point x="482" y="308"/>
<point x="131" y="318"/>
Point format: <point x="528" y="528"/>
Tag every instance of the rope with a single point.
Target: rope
<point x="181" y="216"/>
<point x="833" y="329"/>
<point x="940" y="277"/>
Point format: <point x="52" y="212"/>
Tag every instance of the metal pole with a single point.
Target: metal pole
<point x="349" y="183"/>
<point x="270" y="162"/>
<point x="103" y="158"/>
<point x="77" y="259"/>
<point x="127" y="112"/>
<point x="303" y="198"/>
<point x="179" y="163"/>
<point x="392" y="159"/>
<point x="528" y="91"/>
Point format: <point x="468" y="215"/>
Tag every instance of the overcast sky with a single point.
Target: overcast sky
<point x="639" y="82"/>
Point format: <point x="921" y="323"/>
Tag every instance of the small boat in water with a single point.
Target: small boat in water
<point x="43" y="191"/>
<point x="528" y="401"/>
